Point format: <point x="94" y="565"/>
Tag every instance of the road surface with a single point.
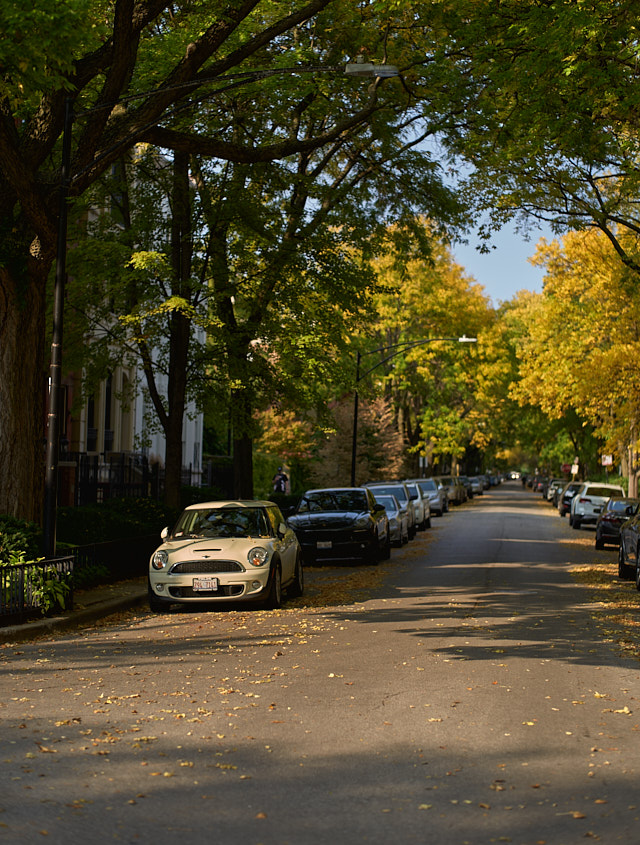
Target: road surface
<point x="471" y="700"/>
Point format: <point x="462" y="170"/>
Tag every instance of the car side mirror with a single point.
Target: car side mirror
<point x="282" y="529"/>
<point x="378" y="507"/>
<point x="164" y="533"/>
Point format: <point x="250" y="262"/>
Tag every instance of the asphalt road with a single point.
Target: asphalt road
<point x="471" y="701"/>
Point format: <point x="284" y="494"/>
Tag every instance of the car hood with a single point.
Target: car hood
<point x="324" y="519"/>
<point x="212" y="547"/>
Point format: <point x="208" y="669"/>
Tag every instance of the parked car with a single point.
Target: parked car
<point x="554" y="486"/>
<point x="466" y="483"/>
<point x="342" y="522"/>
<point x="398" y="518"/>
<point x="421" y="506"/>
<point x="612" y="516"/>
<point x="589" y="500"/>
<point x="400" y="490"/>
<point x="629" y="547"/>
<point x="565" y="497"/>
<point x="456" y="492"/>
<point x="226" y="552"/>
<point x="435" y="492"/>
<point x="477" y="485"/>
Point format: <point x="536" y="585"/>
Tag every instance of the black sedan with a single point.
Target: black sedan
<point x="613" y="514"/>
<point x="342" y="522"/>
<point x="629" y="547"/>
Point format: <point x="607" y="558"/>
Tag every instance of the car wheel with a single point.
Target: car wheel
<point x="296" y="588"/>
<point x="405" y="537"/>
<point x="638" y="573"/>
<point x="274" y="597"/>
<point x="562" y="513"/>
<point x="622" y="566"/>
<point x="576" y="522"/>
<point x="427" y="522"/>
<point x="599" y="543"/>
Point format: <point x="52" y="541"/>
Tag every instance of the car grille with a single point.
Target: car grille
<point x="205" y="567"/>
<point x="222" y="592"/>
<point x="336" y="536"/>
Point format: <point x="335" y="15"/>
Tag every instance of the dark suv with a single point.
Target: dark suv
<point x="341" y="522"/>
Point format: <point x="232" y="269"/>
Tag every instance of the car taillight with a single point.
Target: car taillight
<point x="583" y="501"/>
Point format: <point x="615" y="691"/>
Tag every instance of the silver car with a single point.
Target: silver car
<point x="436" y="492"/>
<point x="421" y="506"/>
<point x="398" y="518"/>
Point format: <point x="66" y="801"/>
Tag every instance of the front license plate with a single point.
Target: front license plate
<point x="324" y="544"/>
<point x="202" y="584"/>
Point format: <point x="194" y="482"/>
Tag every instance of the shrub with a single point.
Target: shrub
<point x="18" y="538"/>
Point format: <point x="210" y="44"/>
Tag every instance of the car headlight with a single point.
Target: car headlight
<point x="362" y="521"/>
<point x="160" y="559"/>
<point x="258" y="556"/>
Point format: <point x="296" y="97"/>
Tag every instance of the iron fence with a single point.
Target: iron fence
<point x="27" y="589"/>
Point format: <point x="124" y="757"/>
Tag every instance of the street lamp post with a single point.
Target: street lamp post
<point x="357" y="69"/>
<point x="399" y="348"/>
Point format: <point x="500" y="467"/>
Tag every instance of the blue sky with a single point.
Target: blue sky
<point x="505" y="270"/>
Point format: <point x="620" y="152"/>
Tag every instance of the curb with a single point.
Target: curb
<point x="76" y="619"/>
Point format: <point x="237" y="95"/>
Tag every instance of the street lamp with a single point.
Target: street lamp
<point x="359" y="68"/>
<point x="399" y="348"/>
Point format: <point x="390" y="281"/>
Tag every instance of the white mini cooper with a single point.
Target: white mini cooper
<point x="238" y="551"/>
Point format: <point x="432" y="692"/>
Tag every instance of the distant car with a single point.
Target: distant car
<point x="477" y="485"/>
<point x="629" y="549"/>
<point x="553" y="487"/>
<point x="398" y="518"/>
<point x="342" y="522"/>
<point x="400" y="490"/>
<point x="421" y="506"/>
<point x="612" y="516"/>
<point x="589" y="500"/>
<point x="566" y="495"/>
<point x="456" y="491"/>
<point x="466" y="483"/>
<point x="240" y="551"/>
<point x="435" y="492"/>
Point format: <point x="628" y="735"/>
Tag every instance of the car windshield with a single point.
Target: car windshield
<point x="389" y="502"/>
<point x="620" y="505"/>
<point x="333" y="500"/>
<point x="223" y="523"/>
<point x="399" y="492"/>
<point x="427" y="485"/>
<point x="604" y="492"/>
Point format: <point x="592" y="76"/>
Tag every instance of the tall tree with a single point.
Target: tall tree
<point x="109" y="56"/>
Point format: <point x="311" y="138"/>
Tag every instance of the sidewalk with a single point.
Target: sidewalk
<point x="88" y="605"/>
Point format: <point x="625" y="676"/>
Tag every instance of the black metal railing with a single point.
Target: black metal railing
<point x="28" y="589"/>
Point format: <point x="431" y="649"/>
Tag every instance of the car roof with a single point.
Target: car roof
<point x="232" y="503"/>
<point x="331" y="490"/>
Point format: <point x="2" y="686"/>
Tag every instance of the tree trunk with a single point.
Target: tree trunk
<point x="243" y="467"/>
<point x="241" y="419"/>
<point x="22" y="388"/>
<point x="180" y="329"/>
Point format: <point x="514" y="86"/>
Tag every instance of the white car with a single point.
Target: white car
<point x="589" y="500"/>
<point x="235" y="551"/>
<point x="421" y="505"/>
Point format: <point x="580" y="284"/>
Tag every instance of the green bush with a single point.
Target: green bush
<point x="115" y="519"/>
<point x="18" y="538"/>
